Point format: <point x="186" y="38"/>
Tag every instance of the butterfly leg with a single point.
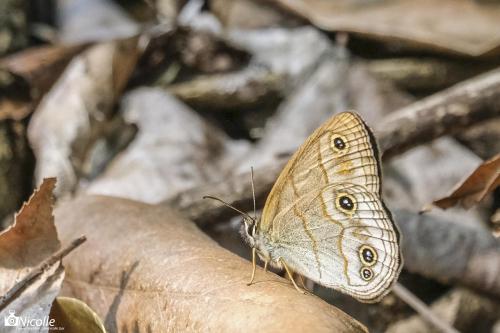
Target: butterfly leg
<point x="254" y="266"/>
<point x="291" y="277"/>
<point x="301" y="278"/>
<point x="265" y="265"/>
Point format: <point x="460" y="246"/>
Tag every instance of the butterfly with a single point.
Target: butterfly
<point x="324" y="217"/>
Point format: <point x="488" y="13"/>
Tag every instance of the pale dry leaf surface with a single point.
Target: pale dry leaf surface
<point x="103" y="20"/>
<point x="71" y="116"/>
<point x="294" y="53"/>
<point x="174" y="150"/>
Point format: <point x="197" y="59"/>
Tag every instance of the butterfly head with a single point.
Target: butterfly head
<point x="248" y="230"/>
<point x="250" y="233"/>
<point x="248" y="227"/>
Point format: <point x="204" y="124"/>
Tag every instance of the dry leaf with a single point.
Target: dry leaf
<point x="93" y="20"/>
<point x="293" y="53"/>
<point x="40" y="66"/>
<point x="454" y="26"/>
<point x="23" y="246"/>
<point x="249" y="88"/>
<point x="31" y="239"/>
<point x="173" y="150"/>
<point x="75" y="316"/>
<point x="74" y="114"/>
<point x="34" y="70"/>
<point x="34" y="303"/>
<point x="164" y="275"/>
<point x="475" y="187"/>
<point x="251" y="14"/>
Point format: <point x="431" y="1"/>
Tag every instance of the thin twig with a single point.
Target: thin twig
<point x="422" y="309"/>
<point x="29" y="279"/>
<point x="446" y="112"/>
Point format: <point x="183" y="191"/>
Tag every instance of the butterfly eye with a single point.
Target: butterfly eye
<point x="346" y="203"/>
<point x="366" y="273"/>
<point x="249" y="229"/>
<point x="368" y="255"/>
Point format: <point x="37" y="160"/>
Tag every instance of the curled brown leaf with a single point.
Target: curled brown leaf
<point x="475" y="187"/>
<point x="31" y="239"/>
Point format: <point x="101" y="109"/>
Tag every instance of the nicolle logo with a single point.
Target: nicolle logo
<point x="26" y="322"/>
<point x="11" y="319"/>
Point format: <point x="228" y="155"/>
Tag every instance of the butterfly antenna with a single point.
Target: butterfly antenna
<point x="229" y="205"/>
<point x="253" y="195"/>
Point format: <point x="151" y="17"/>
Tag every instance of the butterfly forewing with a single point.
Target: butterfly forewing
<point x="325" y="218"/>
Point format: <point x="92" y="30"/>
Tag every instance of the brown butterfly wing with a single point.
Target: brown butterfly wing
<point x="318" y="162"/>
<point x="307" y="225"/>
